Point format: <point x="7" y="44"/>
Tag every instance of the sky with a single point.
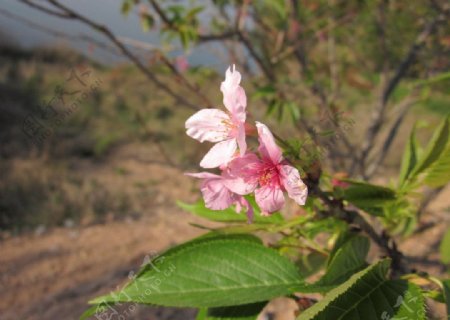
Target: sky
<point x="28" y="27"/>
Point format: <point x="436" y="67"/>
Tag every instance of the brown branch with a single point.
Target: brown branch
<point x="379" y="113"/>
<point x="374" y="165"/>
<point x="383" y="241"/>
<point x="190" y="86"/>
<point x="201" y="37"/>
<point x="428" y="198"/>
<point x="47" y="10"/>
<point x="58" y="34"/>
<point x="122" y="48"/>
<point x="244" y="39"/>
<point x="315" y="88"/>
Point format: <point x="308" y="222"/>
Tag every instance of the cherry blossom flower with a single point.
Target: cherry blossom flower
<point x="217" y="196"/>
<point x="182" y="64"/>
<point x="226" y="129"/>
<point x="269" y="176"/>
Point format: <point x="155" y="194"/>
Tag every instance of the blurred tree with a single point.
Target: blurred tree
<point x="315" y="62"/>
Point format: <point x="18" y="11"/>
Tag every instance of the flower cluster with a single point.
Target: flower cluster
<point x="268" y="174"/>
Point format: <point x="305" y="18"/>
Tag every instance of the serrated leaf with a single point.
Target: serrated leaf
<point x="409" y="159"/>
<point x="229" y="215"/>
<point x="212" y="272"/>
<point x="244" y="312"/>
<point x="370" y="295"/>
<point x="434" y="148"/>
<point x="444" y="248"/>
<point x="347" y="258"/>
<point x="94" y="310"/>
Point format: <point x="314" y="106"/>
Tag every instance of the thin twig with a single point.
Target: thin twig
<point x="71" y="14"/>
<point x="383" y="241"/>
<point x="201" y="37"/>
<point x="381" y="155"/>
<point x="47" y="10"/>
<point x="379" y="113"/>
<point x="59" y="34"/>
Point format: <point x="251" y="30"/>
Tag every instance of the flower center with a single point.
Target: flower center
<point x="230" y="126"/>
<point x="269" y="176"/>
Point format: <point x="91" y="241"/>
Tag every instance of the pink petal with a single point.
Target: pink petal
<point x="267" y="146"/>
<point x="208" y="125"/>
<point x="269" y="199"/>
<point x="234" y="97"/>
<point x="243" y="174"/>
<point x="238" y="185"/>
<point x="241" y="139"/>
<point x="236" y="102"/>
<point x="221" y="153"/>
<point x="216" y="195"/>
<point x="232" y="80"/>
<point x="202" y="175"/>
<point x="181" y="63"/>
<point x="241" y="202"/>
<point x="293" y="184"/>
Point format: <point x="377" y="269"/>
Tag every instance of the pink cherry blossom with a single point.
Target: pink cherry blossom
<point x="217" y="196"/>
<point x="181" y="63"/>
<point x="269" y="176"/>
<point x="226" y="129"/>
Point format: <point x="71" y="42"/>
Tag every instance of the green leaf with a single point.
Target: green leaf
<point x="277" y="6"/>
<point x="409" y="158"/>
<point x="191" y="15"/>
<point x="368" y="197"/>
<point x="97" y="309"/>
<point x="311" y="263"/>
<point x="446" y="284"/>
<point x="294" y="110"/>
<point x="126" y="7"/>
<point x="229" y="215"/>
<point x="212" y="272"/>
<point x="369" y="295"/>
<point x="244" y="312"/>
<point x="444" y="248"/>
<point x="439" y="173"/>
<point x="264" y="92"/>
<point x="436" y="79"/>
<point x="147" y="22"/>
<point x="434" y="148"/>
<point x="347" y="258"/>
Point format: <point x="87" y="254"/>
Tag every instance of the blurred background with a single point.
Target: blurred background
<point x="93" y="99"/>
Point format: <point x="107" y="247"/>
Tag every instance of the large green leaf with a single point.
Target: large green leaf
<point x="409" y="158"/>
<point x="346" y="259"/>
<point x="439" y="173"/>
<point x="446" y="284"/>
<point x="369" y="295"/>
<point x="244" y="312"/>
<point x="434" y="148"/>
<point x="212" y="271"/>
<point x="229" y="215"/>
<point x="445" y="247"/>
